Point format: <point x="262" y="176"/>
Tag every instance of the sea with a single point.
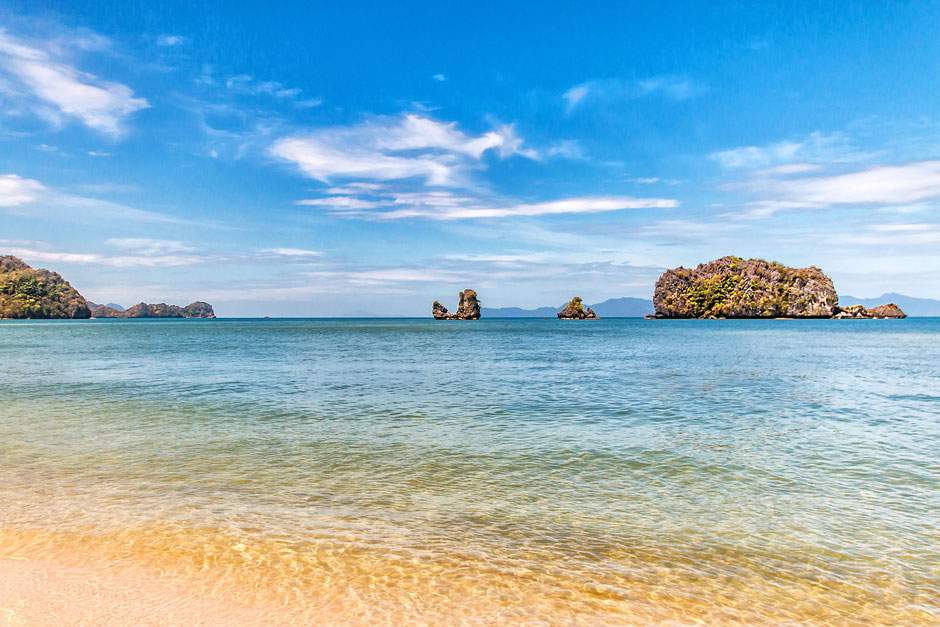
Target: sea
<point x="502" y="471"/>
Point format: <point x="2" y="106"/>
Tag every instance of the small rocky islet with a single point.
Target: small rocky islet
<point x="27" y="293"/>
<point x="574" y="310"/>
<point x="732" y="287"/>
<point x="468" y="308"/>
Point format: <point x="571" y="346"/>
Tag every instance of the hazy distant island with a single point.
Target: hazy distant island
<point x="732" y="287"/>
<point x="30" y="293"/>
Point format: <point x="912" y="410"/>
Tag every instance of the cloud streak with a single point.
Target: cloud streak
<point x="100" y="105"/>
<point x="675" y="88"/>
<point x="446" y="205"/>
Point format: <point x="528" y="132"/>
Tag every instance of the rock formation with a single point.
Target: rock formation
<point x="468" y="308"/>
<point x="732" y="287"/>
<point x="29" y="293"/>
<point x="197" y="309"/>
<point x="574" y="310"/>
<point x="890" y="310"/>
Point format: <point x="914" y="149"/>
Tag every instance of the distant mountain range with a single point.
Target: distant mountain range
<point x="627" y="307"/>
<point x="916" y="307"/>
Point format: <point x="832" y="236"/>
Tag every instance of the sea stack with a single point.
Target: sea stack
<point x="732" y="287"/>
<point x="574" y="310"/>
<point x="468" y="308"/>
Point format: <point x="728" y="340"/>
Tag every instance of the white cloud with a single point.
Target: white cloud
<point x="170" y="40"/>
<point x="100" y="105"/>
<point x="290" y="252"/>
<point x="446" y="205"/>
<point x="16" y="191"/>
<point x="800" y="156"/>
<point x="439" y="77"/>
<point x="33" y="256"/>
<point x="387" y="149"/>
<point x="672" y="87"/>
<point x="575" y="95"/>
<point x="890" y="185"/>
<point x="342" y="202"/>
<point x="148" y="246"/>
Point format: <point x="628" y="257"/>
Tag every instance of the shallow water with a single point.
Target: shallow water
<point x="500" y="471"/>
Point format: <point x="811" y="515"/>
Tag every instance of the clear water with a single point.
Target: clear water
<point x="490" y="472"/>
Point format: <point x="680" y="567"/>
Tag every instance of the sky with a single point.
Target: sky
<point x="336" y="159"/>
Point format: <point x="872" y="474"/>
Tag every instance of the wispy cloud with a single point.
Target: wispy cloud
<point x="447" y="205"/>
<point x="671" y="87"/>
<point x="170" y="40"/>
<point x="386" y="149"/>
<point x="99" y="104"/>
<point x="30" y="197"/>
<point x="148" y="246"/>
<point x="800" y="154"/>
<point x="891" y="188"/>
<point x="439" y="77"/>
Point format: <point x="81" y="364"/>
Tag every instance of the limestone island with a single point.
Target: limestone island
<point x="732" y="287"/>
<point x="198" y="309"/>
<point x="574" y="310"/>
<point x="29" y="293"/>
<point x="468" y="308"/>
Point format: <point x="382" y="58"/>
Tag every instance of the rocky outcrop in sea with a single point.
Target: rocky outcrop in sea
<point x="574" y="310"/>
<point x="29" y="293"/>
<point x="732" y="287"/>
<point x="891" y="310"/>
<point x="468" y="308"/>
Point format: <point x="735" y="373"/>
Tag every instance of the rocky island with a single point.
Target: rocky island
<point x="732" y="287"/>
<point x="198" y="309"/>
<point x="468" y="308"/>
<point x="29" y="293"/>
<point x="574" y="310"/>
<point x="891" y="310"/>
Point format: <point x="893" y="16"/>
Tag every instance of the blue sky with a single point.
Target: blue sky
<point x="278" y="159"/>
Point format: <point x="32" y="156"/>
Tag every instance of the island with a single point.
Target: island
<point x="468" y="308"/>
<point x="574" y="310"/>
<point x="732" y="287"/>
<point x="198" y="309"/>
<point x="30" y="293"/>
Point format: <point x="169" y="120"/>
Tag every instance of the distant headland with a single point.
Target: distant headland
<point x="35" y="293"/>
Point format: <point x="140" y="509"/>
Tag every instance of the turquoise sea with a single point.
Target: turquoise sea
<point x="510" y="471"/>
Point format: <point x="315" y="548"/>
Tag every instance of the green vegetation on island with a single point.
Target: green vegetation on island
<point x="574" y="310"/>
<point x="468" y="308"/>
<point x="732" y="287"/>
<point x="29" y="293"/>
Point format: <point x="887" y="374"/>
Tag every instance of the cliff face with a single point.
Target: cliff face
<point x="29" y="293"/>
<point x="732" y="287"/>
<point x="574" y="310"/>
<point x="467" y="309"/>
